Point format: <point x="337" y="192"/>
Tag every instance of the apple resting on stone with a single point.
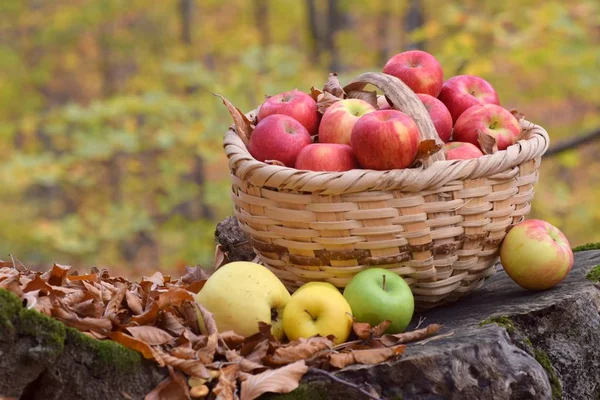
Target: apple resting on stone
<point x="240" y="294"/>
<point x="278" y="137"/>
<point x="418" y="69"/>
<point x="339" y="119"/>
<point x="326" y="157"/>
<point x="440" y="116"/>
<point x="385" y="139"/>
<point x="464" y="91"/>
<point x="536" y="255"/>
<point x="461" y="151"/>
<point x="376" y="295"/>
<point x="317" y="310"/>
<point x="489" y="119"/>
<point x="296" y="104"/>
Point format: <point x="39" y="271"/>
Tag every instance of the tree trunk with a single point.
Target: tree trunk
<point x="185" y="13"/>
<point x="315" y="33"/>
<point x="413" y="20"/>
<point x="333" y="24"/>
<point x="383" y="27"/>
<point x="261" y="19"/>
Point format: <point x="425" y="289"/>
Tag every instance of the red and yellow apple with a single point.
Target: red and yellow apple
<point x="418" y="69"/>
<point x="326" y="157"/>
<point x="536" y="255"/>
<point x="489" y="119"/>
<point x="440" y="116"/>
<point x="339" y="119"/>
<point x="464" y="91"/>
<point x="278" y="137"/>
<point x="461" y="151"/>
<point x="294" y="103"/>
<point x="385" y="139"/>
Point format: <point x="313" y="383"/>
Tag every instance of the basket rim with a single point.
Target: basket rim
<point x="494" y="166"/>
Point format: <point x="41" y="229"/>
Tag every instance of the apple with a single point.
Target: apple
<point x="464" y="91"/>
<point x="240" y="294"/>
<point x="440" y="116"/>
<point x="418" y="69"/>
<point x="317" y="283"/>
<point x="385" y="139"/>
<point x="294" y="103"/>
<point x="317" y="310"/>
<point x="491" y="119"/>
<point x="383" y="103"/>
<point x="326" y="157"/>
<point x="376" y="295"/>
<point x="461" y="151"/>
<point x="339" y="119"/>
<point x="278" y="137"/>
<point x="536" y="255"/>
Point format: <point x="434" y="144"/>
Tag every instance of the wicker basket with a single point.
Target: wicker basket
<point x="438" y="226"/>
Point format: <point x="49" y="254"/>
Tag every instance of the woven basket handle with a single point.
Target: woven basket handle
<point x="405" y="100"/>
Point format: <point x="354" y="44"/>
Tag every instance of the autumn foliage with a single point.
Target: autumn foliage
<point x="158" y="318"/>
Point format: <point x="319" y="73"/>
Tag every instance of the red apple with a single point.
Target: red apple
<point x="536" y="255"/>
<point x="278" y="137"/>
<point x="326" y="157"/>
<point x="418" y="69"/>
<point x="464" y="91"/>
<point x="442" y="120"/>
<point x="461" y="151"/>
<point x="382" y="103"/>
<point x="339" y="119"/>
<point x="492" y="119"/>
<point x="295" y="104"/>
<point x="385" y="139"/>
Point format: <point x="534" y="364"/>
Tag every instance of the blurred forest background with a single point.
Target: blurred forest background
<point x="111" y="137"/>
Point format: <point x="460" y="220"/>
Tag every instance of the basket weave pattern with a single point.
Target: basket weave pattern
<point x="439" y="226"/>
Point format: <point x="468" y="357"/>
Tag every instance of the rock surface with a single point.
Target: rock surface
<point x="501" y="342"/>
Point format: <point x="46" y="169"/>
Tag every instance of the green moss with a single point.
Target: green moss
<point x="504" y="322"/>
<point x="109" y="354"/>
<point x="542" y="358"/>
<point x="594" y="274"/>
<point x="10" y="307"/>
<point x="49" y="332"/>
<point x="588" y="246"/>
<point x="306" y="391"/>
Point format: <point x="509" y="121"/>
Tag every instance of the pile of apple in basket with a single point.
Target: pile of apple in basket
<point x="331" y="130"/>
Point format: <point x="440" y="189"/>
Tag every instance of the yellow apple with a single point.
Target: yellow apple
<point x="317" y="310"/>
<point x="240" y="294"/>
<point x="315" y="283"/>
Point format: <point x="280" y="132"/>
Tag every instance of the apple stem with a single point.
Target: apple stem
<point x="383" y="283"/>
<point x="312" y="316"/>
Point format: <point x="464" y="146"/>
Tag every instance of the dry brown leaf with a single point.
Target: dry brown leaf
<point x="157" y="280"/>
<point x="280" y="380"/>
<point x="134" y="302"/>
<point x="138" y="345"/>
<point x="226" y="388"/>
<point x="37" y="283"/>
<point x="301" y="349"/>
<point x="366" y="95"/>
<point x="171" y="323"/>
<point x="44" y="305"/>
<point x="195" y="287"/>
<point x="208" y="324"/>
<point x="192" y="367"/>
<point x="412" y="336"/>
<point x="114" y="305"/>
<point x="333" y="86"/>
<point x="314" y="93"/>
<point x="88" y="308"/>
<point x="367" y="356"/>
<point x="325" y="100"/>
<point x="517" y="114"/>
<point x="92" y="277"/>
<point x="150" y="334"/>
<point x="94" y="291"/>
<point x="148" y="317"/>
<point x="275" y="162"/>
<point x="487" y="143"/>
<point x="259" y="352"/>
<point x="174" y="296"/>
<point x="245" y="364"/>
<point x="76" y="298"/>
<point x="219" y="259"/>
<point x="206" y="353"/>
<point x="174" y="387"/>
<point x="365" y="332"/>
<point x="68" y="317"/>
<point x="56" y="275"/>
<point x="231" y="339"/>
<point x="194" y="274"/>
<point x="243" y="126"/>
<point x="427" y="148"/>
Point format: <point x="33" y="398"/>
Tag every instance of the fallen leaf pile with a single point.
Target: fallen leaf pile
<point x="158" y="318"/>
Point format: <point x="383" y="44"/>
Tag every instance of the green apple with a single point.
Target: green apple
<point x="240" y="295"/>
<point x="536" y="255"/>
<point x="376" y="295"/>
<point x="317" y="310"/>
